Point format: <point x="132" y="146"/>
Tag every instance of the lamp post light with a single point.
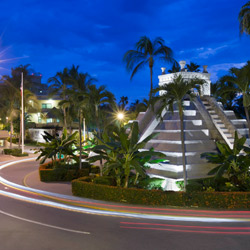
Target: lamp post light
<point x="120" y="116"/>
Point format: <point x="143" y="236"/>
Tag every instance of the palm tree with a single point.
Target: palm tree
<point x="123" y="102"/>
<point x="241" y="80"/>
<point x="244" y="18"/>
<point x="11" y="95"/>
<point x="98" y="96"/>
<point x="193" y="67"/>
<point x="174" y="93"/>
<point x="145" y="53"/>
<point x="10" y="104"/>
<point x="175" y="67"/>
<point x="137" y="107"/>
<point x="76" y="105"/>
<point x="60" y="85"/>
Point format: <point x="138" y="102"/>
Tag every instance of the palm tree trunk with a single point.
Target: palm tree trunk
<point x="64" y="118"/>
<point x="248" y="120"/>
<point x="99" y="134"/>
<point x="11" y="133"/>
<point x="183" y="149"/>
<point x="151" y="82"/>
<point x="80" y="139"/>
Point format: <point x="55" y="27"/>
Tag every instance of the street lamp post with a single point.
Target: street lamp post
<point x="22" y="113"/>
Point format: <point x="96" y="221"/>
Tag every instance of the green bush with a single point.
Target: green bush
<point x="150" y="183"/>
<point x="129" y="195"/>
<point x="229" y="200"/>
<point x="14" y="140"/>
<point x="15" y="152"/>
<point x="86" y="178"/>
<point x="65" y="173"/>
<point x="95" y="169"/>
<point x="105" y="180"/>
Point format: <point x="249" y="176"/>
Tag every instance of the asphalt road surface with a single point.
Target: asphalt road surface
<point x="30" y="226"/>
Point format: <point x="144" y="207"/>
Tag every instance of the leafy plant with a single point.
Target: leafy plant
<point x="124" y="153"/>
<point x="233" y="164"/>
<point x="58" y="148"/>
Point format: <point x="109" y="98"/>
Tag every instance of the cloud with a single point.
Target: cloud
<point x="206" y="52"/>
<point x="219" y="70"/>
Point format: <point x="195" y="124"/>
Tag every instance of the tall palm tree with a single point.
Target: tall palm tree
<point x="77" y="102"/>
<point x="244" y="18"/>
<point x="60" y="83"/>
<point x="145" y="53"/>
<point x="241" y="80"/>
<point x="174" y="93"/>
<point x="11" y="95"/>
<point x="123" y="102"/>
<point x="98" y="96"/>
<point x="10" y="105"/>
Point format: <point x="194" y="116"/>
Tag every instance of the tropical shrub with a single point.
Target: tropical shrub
<point x="58" y="148"/>
<point x="61" y="172"/>
<point x="232" y="165"/>
<point x="124" y="153"/>
<point x="15" y="152"/>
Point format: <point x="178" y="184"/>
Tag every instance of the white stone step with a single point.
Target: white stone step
<point x="194" y="122"/>
<point x="243" y="131"/>
<point x="191" y="112"/>
<point x="215" y="116"/>
<point x="186" y="142"/>
<point x="229" y="112"/>
<point x="239" y="121"/>
<point x="221" y="125"/>
<point x="211" y="111"/>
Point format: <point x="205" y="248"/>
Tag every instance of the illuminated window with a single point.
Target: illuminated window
<point x="39" y="120"/>
<point x="49" y="120"/>
<point x="46" y="106"/>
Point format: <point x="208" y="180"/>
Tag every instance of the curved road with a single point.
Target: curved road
<point x="27" y="225"/>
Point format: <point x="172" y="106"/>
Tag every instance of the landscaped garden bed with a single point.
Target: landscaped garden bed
<point x="15" y="152"/>
<point x="84" y="187"/>
<point x="62" y="172"/>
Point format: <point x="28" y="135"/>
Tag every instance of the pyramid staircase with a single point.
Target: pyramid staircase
<point x="226" y="121"/>
<point x="204" y="123"/>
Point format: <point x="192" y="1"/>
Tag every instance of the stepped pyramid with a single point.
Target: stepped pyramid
<point x="205" y="122"/>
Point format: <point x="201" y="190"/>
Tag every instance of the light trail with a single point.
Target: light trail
<point x="187" y="231"/>
<point x="79" y="205"/>
<point x="113" y="213"/>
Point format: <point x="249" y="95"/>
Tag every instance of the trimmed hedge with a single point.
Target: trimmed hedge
<point x="48" y="174"/>
<point x="229" y="200"/>
<point x="15" y="152"/>
<point x="105" y="180"/>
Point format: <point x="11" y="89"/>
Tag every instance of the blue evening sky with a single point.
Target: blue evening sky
<point x="95" y="34"/>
